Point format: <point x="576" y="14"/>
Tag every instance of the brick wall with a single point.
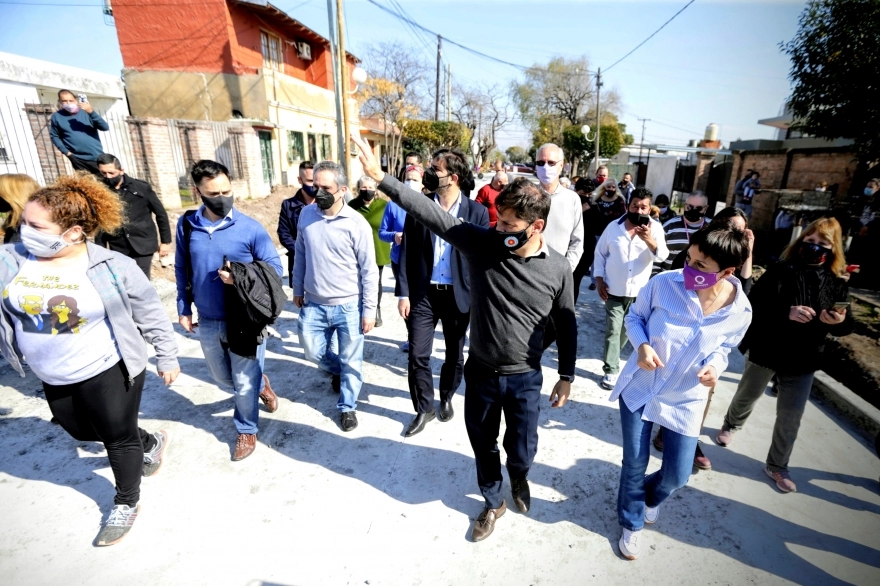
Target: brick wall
<point x="52" y="162"/>
<point x="249" y="177"/>
<point x="151" y="150"/>
<point x="704" y="166"/>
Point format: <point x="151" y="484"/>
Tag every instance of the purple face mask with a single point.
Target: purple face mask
<point x="695" y="280"/>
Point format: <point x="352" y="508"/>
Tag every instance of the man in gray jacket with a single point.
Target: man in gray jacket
<point x="335" y="285"/>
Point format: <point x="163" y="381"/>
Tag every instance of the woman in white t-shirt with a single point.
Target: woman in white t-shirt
<point x="79" y="314"/>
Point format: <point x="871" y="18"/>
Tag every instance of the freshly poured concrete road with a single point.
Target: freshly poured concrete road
<point x="315" y="506"/>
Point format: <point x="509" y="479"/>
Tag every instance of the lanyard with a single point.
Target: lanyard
<point x="688" y="232"/>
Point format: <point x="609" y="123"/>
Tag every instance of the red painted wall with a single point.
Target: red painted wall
<point x="209" y="36"/>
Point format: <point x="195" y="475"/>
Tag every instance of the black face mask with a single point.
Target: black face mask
<point x="112" y="182"/>
<point x="431" y="181"/>
<point x="218" y="205"/>
<point x="637" y="219"/>
<point x="309" y="190"/>
<point x="325" y="199"/>
<point x="813" y="254"/>
<point x="367" y="194"/>
<point x="513" y="240"/>
<point x="694" y="216"/>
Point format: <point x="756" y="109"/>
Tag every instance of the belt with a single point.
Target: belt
<point x="438" y="287"/>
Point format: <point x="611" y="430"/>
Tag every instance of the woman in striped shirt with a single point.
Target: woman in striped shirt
<point x="683" y="323"/>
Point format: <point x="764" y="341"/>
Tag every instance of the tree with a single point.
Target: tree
<point x="394" y="91"/>
<point x="835" y="67"/>
<point x="517" y="154"/>
<point x="484" y="110"/>
<point x="436" y="135"/>
<point x="576" y="144"/>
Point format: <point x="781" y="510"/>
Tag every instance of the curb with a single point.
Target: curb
<point x="864" y="416"/>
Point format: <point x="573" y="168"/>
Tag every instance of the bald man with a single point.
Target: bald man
<point x="564" y="232"/>
<point x="489" y="192"/>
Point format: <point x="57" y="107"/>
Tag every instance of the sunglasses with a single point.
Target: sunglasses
<point x="689" y="207"/>
<point x="542" y="163"/>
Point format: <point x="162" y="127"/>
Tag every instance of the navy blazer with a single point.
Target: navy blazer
<point x="417" y="257"/>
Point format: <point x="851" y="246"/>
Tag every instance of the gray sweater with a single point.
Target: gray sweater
<point x="512" y="298"/>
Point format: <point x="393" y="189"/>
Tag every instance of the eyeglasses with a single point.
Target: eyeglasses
<point x="542" y="163"/>
<point x="689" y="207"/>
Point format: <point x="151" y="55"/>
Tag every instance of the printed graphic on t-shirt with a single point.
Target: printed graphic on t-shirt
<point x="45" y="313"/>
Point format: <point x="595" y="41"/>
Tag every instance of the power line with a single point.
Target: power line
<point x="451" y="42"/>
<point x="649" y="38"/>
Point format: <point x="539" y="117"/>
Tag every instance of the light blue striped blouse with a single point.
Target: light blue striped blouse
<point x="669" y="318"/>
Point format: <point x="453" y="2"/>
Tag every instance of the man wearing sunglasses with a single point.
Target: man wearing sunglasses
<point x="680" y="229"/>
<point x="565" y="224"/>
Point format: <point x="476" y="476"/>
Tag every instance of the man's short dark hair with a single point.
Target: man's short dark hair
<point x="108" y="159"/>
<point x="527" y="200"/>
<point x="584" y="184"/>
<point x="641" y="193"/>
<point x="62" y="92"/>
<point x="756" y="173"/>
<point x="727" y="246"/>
<point x="208" y="168"/>
<point x="306" y="165"/>
<point x="662" y="200"/>
<point x="412" y="154"/>
<point x="457" y="164"/>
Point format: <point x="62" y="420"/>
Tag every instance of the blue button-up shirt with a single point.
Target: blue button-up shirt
<point x="442" y="273"/>
<point x="669" y="318"/>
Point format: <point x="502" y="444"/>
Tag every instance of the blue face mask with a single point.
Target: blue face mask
<point x="869" y="191"/>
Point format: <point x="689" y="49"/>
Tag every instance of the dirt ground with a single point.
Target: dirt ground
<point x="854" y="360"/>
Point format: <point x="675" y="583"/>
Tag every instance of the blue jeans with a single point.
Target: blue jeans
<point x="244" y="375"/>
<point x="316" y="326"/>
<point x="636" y="489"/>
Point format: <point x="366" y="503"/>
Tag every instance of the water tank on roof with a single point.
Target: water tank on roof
<point x="711" y="132"/>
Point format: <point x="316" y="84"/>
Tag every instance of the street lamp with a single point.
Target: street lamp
<point x="359" y="75"/>
<point x="585" y="129"/>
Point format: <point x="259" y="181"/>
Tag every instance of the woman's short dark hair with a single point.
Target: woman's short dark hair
<point x="584" y="184"/>
<point x="662" y="200"/>
<point x="727" y="246"/>
<point x="728" y="214"/>
<point x="526" y="199"/>
<point x="457" y="164"/>
<point x="208" y="168"/>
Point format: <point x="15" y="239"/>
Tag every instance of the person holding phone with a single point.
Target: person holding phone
<point x="797" y="303"/>
<point x="625" y="255"/>
<point x="73" y="130"/>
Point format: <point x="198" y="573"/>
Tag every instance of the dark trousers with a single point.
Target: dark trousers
<point x="144" y="262"/>
<point x="437" y="305"/>
<point x="395" y="270"/>
<point x="84" y="165"/>
<point x="487" y="394"/>
<point x="105" y="408"/>
<point x="379" y="303"/>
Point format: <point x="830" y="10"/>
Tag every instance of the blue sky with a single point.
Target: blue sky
<point x="716" y="62"/>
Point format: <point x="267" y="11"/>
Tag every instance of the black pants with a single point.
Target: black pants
<point x="395" y="270"/>
<point x="84" y="165"/>
<point x="379" y="303"/>
<point x="145" y="263"/>
<point x="105" y="408"/>
<point x="487" y="394"/>
<point x="436" y="305"/>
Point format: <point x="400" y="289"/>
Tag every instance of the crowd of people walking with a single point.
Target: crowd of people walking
<point x="506" y="266"/>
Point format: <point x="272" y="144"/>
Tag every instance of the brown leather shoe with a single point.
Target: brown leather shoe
<point x="268" y="396"/>
<point x="244" y="446"/>
<point x="486" y="522"/>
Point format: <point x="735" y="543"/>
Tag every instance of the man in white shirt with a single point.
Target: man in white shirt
<point x="565" y="224"/>
<point x="625" y="254"/>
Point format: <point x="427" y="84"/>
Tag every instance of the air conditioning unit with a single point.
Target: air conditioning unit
<point x="304" y="51"/>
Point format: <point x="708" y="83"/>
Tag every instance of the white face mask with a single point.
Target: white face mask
<point x="663" y="210"/>
<point x="43" y="245"/>
<point x="548" y="174"/>
<point x="413" y="184"/>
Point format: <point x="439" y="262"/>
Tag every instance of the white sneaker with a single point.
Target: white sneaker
<point x="651" y="514"/>
<point x="609" y="380"/>
<point x="629" y="544"/>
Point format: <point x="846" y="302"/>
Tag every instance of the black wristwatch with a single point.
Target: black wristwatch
<point x="567" y="378"/>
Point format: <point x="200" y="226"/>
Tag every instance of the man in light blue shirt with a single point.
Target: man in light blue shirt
<point x="683" y="325"/>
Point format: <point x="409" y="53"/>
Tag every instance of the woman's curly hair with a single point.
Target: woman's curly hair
<point x="81" y="200"/>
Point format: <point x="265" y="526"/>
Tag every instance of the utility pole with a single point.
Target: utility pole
<point x="448" y="92"/>
<point x="437" y="90"/>
<point x="343" y="73"/>
<point x="341" y="139"/>
<point x="598" y="113"/>
<point x="641" y="144"/>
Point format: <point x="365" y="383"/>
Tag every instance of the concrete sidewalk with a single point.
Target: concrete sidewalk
<point x="314" y="506"/>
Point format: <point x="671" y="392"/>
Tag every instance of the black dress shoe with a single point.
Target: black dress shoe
<point x="522" y="496"/>
<point x="349" y="421"/>
<point x="418" y="423"/>
<point x="485" y="524"/>
<point x="446" y="412"/>
<point x="336" y="383"/>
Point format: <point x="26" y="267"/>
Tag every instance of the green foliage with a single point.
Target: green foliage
<point x="517" y="154"/>
<point x="575" y="143"/>
<point x="835" y="67"/>
<point x="436" y="135"/>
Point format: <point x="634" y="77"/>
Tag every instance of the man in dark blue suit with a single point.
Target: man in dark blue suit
<point x="434" y="286"/>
